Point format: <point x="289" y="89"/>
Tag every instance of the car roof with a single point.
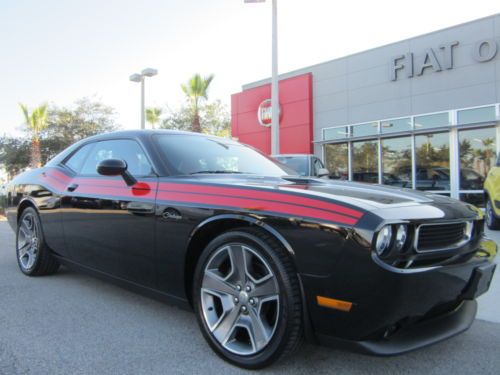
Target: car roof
<point x="144" y="133"/>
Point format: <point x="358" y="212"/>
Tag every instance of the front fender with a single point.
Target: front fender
<point x="248" y="219"/>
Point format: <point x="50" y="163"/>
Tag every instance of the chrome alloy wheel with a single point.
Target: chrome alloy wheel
<point x="28" y="242"/>
<point x="240" y="299"/>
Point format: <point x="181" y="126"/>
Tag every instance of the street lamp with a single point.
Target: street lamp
<point x="148" y="72"/>
<point x="275" y="136"/>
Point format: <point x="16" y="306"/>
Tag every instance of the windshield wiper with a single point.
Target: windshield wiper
<point x="216" y="171"/>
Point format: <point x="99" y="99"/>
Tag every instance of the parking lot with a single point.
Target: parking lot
<point x="71" y="323"/>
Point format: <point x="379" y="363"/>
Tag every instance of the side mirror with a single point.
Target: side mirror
<point x="323" y="172"/>
<point x="116" y="167"/>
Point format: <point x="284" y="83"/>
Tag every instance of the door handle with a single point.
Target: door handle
<point x="72" y="187"/>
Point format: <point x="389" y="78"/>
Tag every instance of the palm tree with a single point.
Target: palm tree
<point x="196" y="89"/>
<point x="36" y="122"/>
<point x="153" y="115"/>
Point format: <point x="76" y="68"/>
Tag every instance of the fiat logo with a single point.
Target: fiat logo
<point x="265" y="113"/>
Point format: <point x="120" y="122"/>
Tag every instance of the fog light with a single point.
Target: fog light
<point x="401" y="236"/>
<point x="384" y="238"/>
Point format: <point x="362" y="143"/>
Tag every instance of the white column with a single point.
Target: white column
<point x="349" y="160"/>
<point x="275" y="140"/>
<point x="143" y="109"/>
<point x="413" y="162"/>
<point x="454" y="158"/>
<point x="497" y="141"/>
<point x="380" y="166"/>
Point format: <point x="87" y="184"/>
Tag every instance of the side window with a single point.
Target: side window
<point x="125" y="149"/>
<point x="76" y="160"/>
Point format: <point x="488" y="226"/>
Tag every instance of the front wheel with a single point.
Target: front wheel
<point x="491" y="220"/>
<point x="247" y="298"/>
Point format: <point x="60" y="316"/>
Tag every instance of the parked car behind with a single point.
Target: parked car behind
<point x="492" y="196"/>
<point x="304" y="164"/>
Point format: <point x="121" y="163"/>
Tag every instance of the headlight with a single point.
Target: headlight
<point x="401" y="236"/>
<point x="384" y="238"/>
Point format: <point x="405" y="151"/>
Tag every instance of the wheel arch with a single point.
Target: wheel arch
<point x="25" y="203"/>
<point x="210" y="228"/>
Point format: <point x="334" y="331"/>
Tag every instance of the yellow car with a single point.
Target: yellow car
<point x="492" y="196"/>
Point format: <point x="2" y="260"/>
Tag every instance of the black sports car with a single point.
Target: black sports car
<point x="264" y="257"/>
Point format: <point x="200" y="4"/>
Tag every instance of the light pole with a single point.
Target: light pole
<point x="148" y="72"/>
<point x="275" y="120"/>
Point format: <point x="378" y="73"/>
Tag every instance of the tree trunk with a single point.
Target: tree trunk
<point x="35" y="154"/>
<point x="196" y="126"/>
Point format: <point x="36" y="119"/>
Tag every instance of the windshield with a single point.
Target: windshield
<point x="192" y="154"/>
<point x="297" y="163"/>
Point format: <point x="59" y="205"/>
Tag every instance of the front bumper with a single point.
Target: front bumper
<point x="396" y="312"/>
<point x="413" y="337"/>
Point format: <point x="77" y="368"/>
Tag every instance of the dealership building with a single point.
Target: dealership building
<point x="421" y="113"/>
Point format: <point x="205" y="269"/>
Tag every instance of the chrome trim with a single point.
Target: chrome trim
<point x="408" y="270"/>
<point x="469" y="227"/>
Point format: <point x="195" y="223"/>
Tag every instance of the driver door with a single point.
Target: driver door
<point x="108" y="225"/>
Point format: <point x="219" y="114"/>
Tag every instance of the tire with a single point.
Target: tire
<point x="33" y="255"/>
<point x="492" y="222"/>
<point x="252" y="320"/>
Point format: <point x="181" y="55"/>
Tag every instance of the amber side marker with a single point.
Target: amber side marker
<point x="332" y="303"/>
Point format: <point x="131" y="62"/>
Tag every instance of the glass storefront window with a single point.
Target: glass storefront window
<point x="477" y="156"/>
<point x="474" y="115"/>
<point x="432" y="121"/>
<point x="427" y="166"/>
<point x="396" y="162"/>
<point x="337" y="160"/>
<point x="365" y="161"/>
<point x="432" y="153"/>
<point x="340" y="132"/>
<point x="396" y="125"/>
<point x="363" y="130"/>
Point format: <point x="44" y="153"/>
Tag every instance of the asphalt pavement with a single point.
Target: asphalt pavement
<point x="71" y="323"/>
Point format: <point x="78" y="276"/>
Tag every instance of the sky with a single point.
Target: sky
<point x="59" y="51"/>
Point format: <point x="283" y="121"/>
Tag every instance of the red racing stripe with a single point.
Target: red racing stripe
<point x="255" y="205"/>
<point x="118" y="192"/>
<point x="261" y="195"/>
<point x="248" y="199"/>
<point x="51" y="182"/>
<point x="64" y="178"/>
<point x="108" y="187"/>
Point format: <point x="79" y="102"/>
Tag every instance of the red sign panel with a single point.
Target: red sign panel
<point x="296" y="116"/>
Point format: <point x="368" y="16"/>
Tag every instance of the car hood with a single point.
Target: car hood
<point x="385" y="201"/>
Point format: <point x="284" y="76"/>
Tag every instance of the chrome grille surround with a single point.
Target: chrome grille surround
<point x="447" y="235"/>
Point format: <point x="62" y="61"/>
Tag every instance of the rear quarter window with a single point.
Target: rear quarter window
<point x="75" y="162"/>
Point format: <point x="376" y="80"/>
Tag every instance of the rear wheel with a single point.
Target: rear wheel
<point x="247" y="298"/>
<point x="491" y="220"/>
<point x="33" y="255"/>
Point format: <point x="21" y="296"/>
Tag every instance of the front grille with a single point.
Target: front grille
<point x="433" y="237"/>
